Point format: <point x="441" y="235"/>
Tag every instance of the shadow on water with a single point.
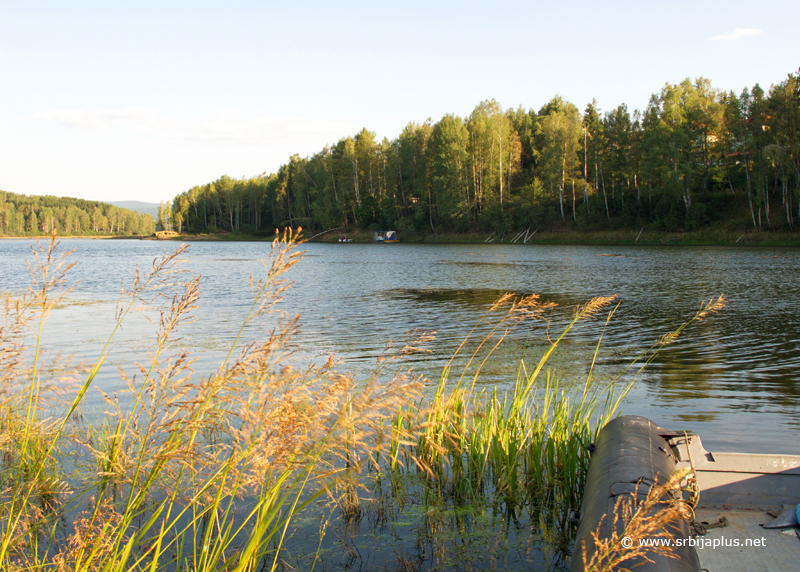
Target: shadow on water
<point x="477" y="298"/>
<point x="471" y="297"/>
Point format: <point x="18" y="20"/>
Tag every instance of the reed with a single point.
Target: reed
<point x="524" y="448"/>
<point x="527" y="449"/>
<point x="182" y="473"/>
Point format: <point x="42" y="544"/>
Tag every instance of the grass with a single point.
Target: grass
<point x="525" y="451"/>
<point x="525" y="454"/>
<point x="184" y="472"/>
<point x="654" y="518"/>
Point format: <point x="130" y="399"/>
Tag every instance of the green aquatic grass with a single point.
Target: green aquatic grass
<point x="527" y="443"/>
<point x="525" y="449"/>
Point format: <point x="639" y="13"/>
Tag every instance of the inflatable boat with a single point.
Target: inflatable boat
<point x="735" y="523"/>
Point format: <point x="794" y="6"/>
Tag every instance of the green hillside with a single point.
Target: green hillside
<point x="22" y="215"/>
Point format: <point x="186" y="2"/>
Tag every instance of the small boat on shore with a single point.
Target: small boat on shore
<point x="740" y="496"/>
<point x="165" y="234"/>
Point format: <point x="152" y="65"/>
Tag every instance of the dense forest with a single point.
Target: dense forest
<point x="696" y="156"/>
<point x="22" y="215"/>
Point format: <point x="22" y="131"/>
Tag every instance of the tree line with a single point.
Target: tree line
<point x="694" y="157"/>
<point x="22" y="215"/>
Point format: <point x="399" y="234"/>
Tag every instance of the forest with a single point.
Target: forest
<point x="695" y="157"/>
<point x="22" y="215"/>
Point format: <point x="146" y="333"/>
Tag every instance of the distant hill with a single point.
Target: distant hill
<point x="34" y="215"/>
<point x="139" y="207"/>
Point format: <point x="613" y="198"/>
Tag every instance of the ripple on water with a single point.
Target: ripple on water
<point x="732" y="377"/>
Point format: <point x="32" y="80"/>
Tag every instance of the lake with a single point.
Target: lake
<point x="734" y="378"/>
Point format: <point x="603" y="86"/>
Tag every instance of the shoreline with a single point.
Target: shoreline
<point x="92" y="237"/>
<point x="706" y="237"/>
<point x="558" y="237"/>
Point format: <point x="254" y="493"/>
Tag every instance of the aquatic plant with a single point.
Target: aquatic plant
<point x="527" y="446"/>
<point x="527" y="450"/>
<point x="183" y="472"/>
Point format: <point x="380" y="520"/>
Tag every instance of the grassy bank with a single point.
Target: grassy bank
<point x="211" y="472"/>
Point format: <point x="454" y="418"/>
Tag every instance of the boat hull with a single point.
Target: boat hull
<point x="629" y="457"/>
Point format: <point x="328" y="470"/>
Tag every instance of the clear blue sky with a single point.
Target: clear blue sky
<point x="141" y="101"/>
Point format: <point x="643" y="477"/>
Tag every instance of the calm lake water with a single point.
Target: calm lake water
<point x="734" y="377"/>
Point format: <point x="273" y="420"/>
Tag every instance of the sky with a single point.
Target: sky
<point x="142" y="100"/>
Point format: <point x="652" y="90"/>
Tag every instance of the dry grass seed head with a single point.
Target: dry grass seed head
<point x="706" y="308"/>
<point x="593" y="306"/>
<point x="414" y="343"/>
<point x="92" y="542"/>
<point x="48" y="273"/>
<point x="504" y="300"/>
<point x="668" y="338"/>
<point x="158" y="284"/>
<point x="530" y="307"/>
<point x="182" y="303"/>
<point x="711" y="306"/>
<point x="657" y="516"/>
<point x="16" y="318"/>
<point x="304" y="409"/>
<point x="283" y="255"/>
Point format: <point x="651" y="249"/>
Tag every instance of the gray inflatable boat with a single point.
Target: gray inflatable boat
<point x="738" y="495"/>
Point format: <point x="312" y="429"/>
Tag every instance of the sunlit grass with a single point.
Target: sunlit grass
<point x="525" y="450"/>
<point x="182" y="472"/>
<point x="188" y="472"/>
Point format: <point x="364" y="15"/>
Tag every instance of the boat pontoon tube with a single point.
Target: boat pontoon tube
<point x="628" y="452"/>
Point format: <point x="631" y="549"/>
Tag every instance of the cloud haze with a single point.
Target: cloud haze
<point x="221" y="129"/>
<point x="736" y="34"/>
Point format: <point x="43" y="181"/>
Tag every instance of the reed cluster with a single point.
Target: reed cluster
<point x="182" y="472"/>
<point x="525" y="450"/>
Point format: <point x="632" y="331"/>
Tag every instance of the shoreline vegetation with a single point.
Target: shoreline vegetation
<point x="704" y="237"/>
<point x="210" y="472"/>
<point x="621" y="237"/>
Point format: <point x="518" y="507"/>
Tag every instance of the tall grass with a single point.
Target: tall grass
<point x="187" y="472"/>
<point x="184" y="472"/>
<point x="526" y="450"/>
<point x="523" y="448"/>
